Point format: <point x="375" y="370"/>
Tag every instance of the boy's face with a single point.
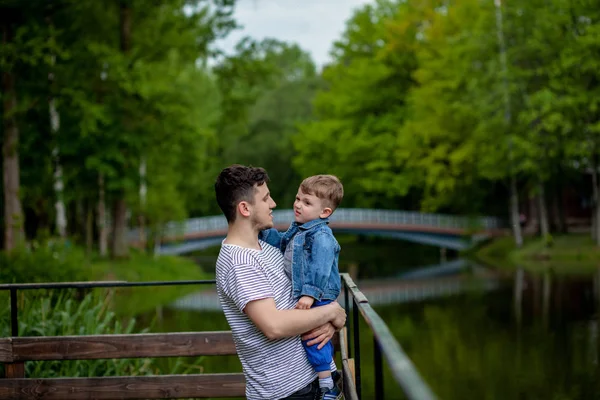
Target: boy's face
<point x="308" y="207"/>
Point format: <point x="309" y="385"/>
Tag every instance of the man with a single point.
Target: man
<point x="256" y="295"/>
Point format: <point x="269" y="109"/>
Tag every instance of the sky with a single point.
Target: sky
<point x="313" y="24"/>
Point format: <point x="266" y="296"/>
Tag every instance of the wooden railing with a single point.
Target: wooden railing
<point x="15" y="351"/>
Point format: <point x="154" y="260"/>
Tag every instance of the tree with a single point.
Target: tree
<point x="20" y="47"/>
<point x="266" y="89"/>
<point x="359" y="111"/>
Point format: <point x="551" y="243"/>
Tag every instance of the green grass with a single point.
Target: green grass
<point x="64" y="313"/>
<point x="143" y="268"/>
<point x="567" y="254"/>
<point x="55" y="261"/>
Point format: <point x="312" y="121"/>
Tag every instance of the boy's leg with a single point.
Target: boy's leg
<point x="321" y="359"/>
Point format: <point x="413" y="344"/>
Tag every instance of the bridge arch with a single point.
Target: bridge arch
<point x="448" y="231"/>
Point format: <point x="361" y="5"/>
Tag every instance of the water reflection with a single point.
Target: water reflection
<point x="535" y="340"/>
<point x="535" y="336"/>
<point x="429" y="282"/>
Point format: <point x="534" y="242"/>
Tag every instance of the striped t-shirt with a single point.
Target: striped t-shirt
<point x="273" y="368"/>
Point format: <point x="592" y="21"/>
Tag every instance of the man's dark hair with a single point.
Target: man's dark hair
<point x="238" y="183"/>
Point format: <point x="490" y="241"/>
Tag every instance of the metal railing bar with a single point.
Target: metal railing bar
<point x="378" y="369"/>
<point x="403" y="370"/>
<point x="14" y="319"/>
<point x="347" y="307"/>
<point x="401" y="366"/>
<point x="356" y="337"/>
<point x="349" y="388"/>
<point x="99" y="284"/>
<point x="357" y="295"/>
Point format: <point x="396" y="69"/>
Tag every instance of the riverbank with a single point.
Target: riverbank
<point x="573" y="253"/>
<point x="55" y="261"/>
<point x="144" y="268"/>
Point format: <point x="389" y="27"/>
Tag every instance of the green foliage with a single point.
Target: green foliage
<point x="562" y="254"/>
<point x="415" y="111"/>
<point x="61" y="314"/>
<point x="266" y="90"/>
<point x="152" y="101"/>
<point x="142" y="267"/>
<point x="360" y="111"/>
<point x="44" y="261"/>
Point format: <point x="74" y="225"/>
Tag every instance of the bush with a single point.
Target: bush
<point x="48" y="261"/>
<point x="48" y="313"/>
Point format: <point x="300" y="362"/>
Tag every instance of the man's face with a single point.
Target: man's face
<point x="262" y="216"/>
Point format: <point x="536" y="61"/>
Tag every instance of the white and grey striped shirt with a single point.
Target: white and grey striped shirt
<point x="273" y="368"/>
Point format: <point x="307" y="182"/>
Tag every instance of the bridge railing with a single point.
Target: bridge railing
<point x="342" y="215"/>
<point x="384" y="344"/>
<point x="15" y="351"/>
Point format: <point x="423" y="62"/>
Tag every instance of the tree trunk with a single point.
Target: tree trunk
<point x="514" y="213"/>
<point x="89" y="228"/>
<point x="80" y="219"/>
<point x="544" y="225"/>
<point x="596" y="210"/>
<point x="13" y="211"/>
<point x="533" y="222"/>
<point x="594" y="201"/>
<point x="514" y="195"/>
<point x="143" y="191"/>
<point x="59" y="204"/>
<point x="597" y="225"/>
<point x="157" y="239"/>
<point x="125" y="26"/>
<point x="561" y="212"/>
<point x="119" y="245"/>
<point x="101" y="219"/>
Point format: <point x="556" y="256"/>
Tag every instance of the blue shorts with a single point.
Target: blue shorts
<point x="319" y="359"/>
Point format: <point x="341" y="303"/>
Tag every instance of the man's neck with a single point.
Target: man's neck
<point x="243" y="235"/>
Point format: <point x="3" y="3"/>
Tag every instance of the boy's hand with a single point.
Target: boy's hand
<point x="305" y="303"/>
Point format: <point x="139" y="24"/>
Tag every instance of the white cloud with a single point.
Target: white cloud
<point x="313" y="24"/>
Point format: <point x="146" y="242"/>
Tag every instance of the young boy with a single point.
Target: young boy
<point x="311" y="261"/>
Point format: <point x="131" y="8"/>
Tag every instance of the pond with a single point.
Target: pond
<point x="528" y="336"/>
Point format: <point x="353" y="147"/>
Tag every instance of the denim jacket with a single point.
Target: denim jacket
<point x="315" y="258"/>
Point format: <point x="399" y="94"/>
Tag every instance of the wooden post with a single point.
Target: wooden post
<point x="15" y="370"/>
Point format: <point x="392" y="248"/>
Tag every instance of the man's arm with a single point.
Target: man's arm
<point x="278" y="324"/>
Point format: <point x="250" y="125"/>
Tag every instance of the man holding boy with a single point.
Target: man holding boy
<point x="256" y="295"/>
<point x="310" y="260"/>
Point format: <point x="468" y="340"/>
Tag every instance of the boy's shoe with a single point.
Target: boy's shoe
<point x="338" y="381"/>
<point x="330" y="394"/>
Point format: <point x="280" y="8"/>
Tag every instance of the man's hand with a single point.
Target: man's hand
<point x="305" y="303"/>
<point x="339" y="319"/>
<point x="320" y="335"/>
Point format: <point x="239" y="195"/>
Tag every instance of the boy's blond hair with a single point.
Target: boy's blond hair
<point x="328" y="188"/>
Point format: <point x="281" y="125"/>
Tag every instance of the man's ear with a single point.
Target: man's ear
<point x="326" y="212"/>
<point x="244" y="208"/>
